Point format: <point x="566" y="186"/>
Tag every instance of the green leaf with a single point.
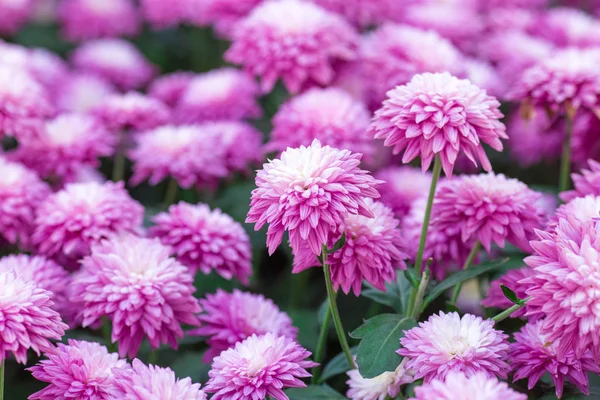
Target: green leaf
<point x="512" y="296"/>
<point x="338" y="365"/>
<point x="461" y="276"/>
<point x="339" y="244"/>
<point x="412" y="277"/>
<point x="308" y="327"/>
<point x="395" y="296"/>
<point x="190" y="364"/>
<point x="314" y="392"/>
<point x="380" y="338"/>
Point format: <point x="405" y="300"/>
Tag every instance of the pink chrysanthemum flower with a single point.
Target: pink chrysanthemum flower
<point x="531" y="356"/>
<point x="66" y="144"/>
<point x="28" y="319"/>
<point x="81" y="92"/>
<point x="309" y="191"/>
<point x="566" y="26"/>
<point x="446" y="343"/>
<point x="180" y="152"/>
<point x="92" y="19"/>
<point x="141" y="382"/>
<point x="21" y="193"/>
<point x="132" y="111"/>
<point x="364" y="13"/>
<point x="586" y="183"/>
<point x="145" y="293"/>
<point x="223" y="15"/>
<point x="584" y="143"/>
<point x="439" y="114"/>
<point x="118" y="61"/>
<point x="512" y="280"/>
<point x="221" y="94"/>
<point x="163" y="14"/>
<point x="565" y="283"/>
<point x="489" y="208"/>
<point x="581" y="209"/>
<point x="330" y="115"/>
<point x="46" y="67"/>
<point x="259" y="366"/>
<point x="485" y="76"/>
<point x="293" y="40"/>
<point x="382" y="387"/>
<point x="14" y="14"/>
<point x="78" y="370"/>
<point x="508" y="18"/>
<point x="374" y="251"/>
<point x="401" y="187"/>
<point x="206" y="240"/>
<point x="535" y="139"/>
<point x="169" y="88"/>
<point x="229" y="318"/>
<point x="460" y="386"/>
<point x="70" y="221"/>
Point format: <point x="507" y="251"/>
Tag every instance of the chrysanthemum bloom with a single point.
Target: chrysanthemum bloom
<point x="401" y="187"/>
<point x="492" y="5"/>
<point x="92" y="19"/>
<point x="585" y="138"/>
<point x="80" y="92"/>
<point x="180" y="152"/>
<point x="21" y="193"/>
<point x="44" y="66"/>
<point x="384" y="386"/>
<point x="132" y="111"/>
<point x="330" y="115"/>
<point x="581" y="209"/>
<point x="66" y="144"/>
<point x="145" y="293"/>
<point x="509" y="18"/>
<point x="485" y="76"/>
<point x="206" y="240"/>
<point x="223" y="15"/>
<point x="229" y="318"/>
<point x="364" y="13"/>
<point x="392" y="54"/>
<point x="14" y="14"/>
<point x="460" y="386"/>
<point x="532" y="355"/>
<point x="169" y="88"/>
<point x="28" y="319"/>
<point x="258" y="367"/>
<point x="496" y="298"/>
<point x="293" y="40"/>
<point x="586" y="183"/>
<point x="566" y="26"/>
<point x="77" y="370"/>
<point x="221" y="94"/>
<point x="309" y="191"/>
<point x="118" y="61"/>
<point x="162" y="14"/>
<point x="70" y="221"/>
<point x="447" y="342"/>
<point x="439" y="114"/>
<point x="151" y="382"/>
<point x="374" y="251"/>
<point x="489" y="208"/>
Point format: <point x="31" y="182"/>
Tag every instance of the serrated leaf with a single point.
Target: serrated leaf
<point x="314" y="392"/>
<point x="338" y="365"/>
<point x="395" y="296"/>
<point x="339" y="244"/>
<point x="380" y="338"/>
<point x="510" y="295"/>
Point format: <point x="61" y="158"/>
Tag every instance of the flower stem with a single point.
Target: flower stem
<point x="316" y="371"/>
<point x="420" y="293"/>
<point x="437" y="169"/>
<point x="171" y="193"/>
<point x="2" y="378"/>
<point x="153" y="357"/>
<point x="118" y="172"/>
<point x="506" y="313"/>
<point x="107" y="333"/>
<point x="468" y="263"/>
<point x="565" y="162"/>
<point x="337" y="321"/>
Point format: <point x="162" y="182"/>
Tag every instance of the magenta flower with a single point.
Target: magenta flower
<point x="230" y="318"/>
<point x="364" y="13"/>
<point x="132" y="111"/>
<point x="118" y="61"/>
<point x="439" y="114"/>
<point x="223" y="15"/>
<point x="512" y="280"/>
<point x="374" y="251"/>
<point x="14" y="14"/>
<point x="141" y="382"/>
<point x="580" y="209"/>
<point x="146" y="294"/>
<point x="161" y="14"/>
<point x="205" y="240"/>
<point x="309" y="191"/>
<point x="81" y="92"/>
<point x="45" y="67"/>
<point x="586" y="183"/>
<point x="257" y="367"/>
<point x="401" y="187"/>
<point x="21" y="193"/>
<point x="447" y="343"/>
<point x="28" y="319"/>
<point x="479" y="386"/>
<point x="91" y="19"/>
<point x="585" y="136"/>
<point x="293" y="40"/>
<point x="330" y="115"/>
<point x="531" y="356"/>
<point x="566" y="26"/>
<point x="68" y="222"/>
<point x="386" y="385"/>
<point x="78" y="370"/>
<point x="220" y="94"/>
<point x="169" y="88"/>
<point x="485" y="76"/>
<point x="181" y="152"/>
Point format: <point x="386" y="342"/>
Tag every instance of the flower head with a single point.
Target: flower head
<point x="146" y="294"/>
<point x="293" y="40"/>
<point x="309" y="191"/>
<point x="581" y="209"/>
<point x="257" y="367"/>
<point x="448" y="343"/>
<point x="28" y="319"/>
<point x="78" y="370"/>
<point x="586" y="183"/>
<point x="161" y="14"/>
<point x="512" y="280"/>
<point x="439" y="114"/>
<point x="169" y="88"/>
<point x="81" y="92"/>
<point x="132" y="111"/>
<point x="401" y="187"/>
<point x="224" y="15"/>
<point x="567" y="26"/>
<point x="485" y="76"/>
<point x="69" y="221"/>
<point x="386" y="385"/>
<point x="364" y="13"/>
<point x="14" y="14"/>
<point x="46" y="67"/>
<point x="229" y="318"/>
<point x="535" y="139"/>
<point x="221" y="94"/>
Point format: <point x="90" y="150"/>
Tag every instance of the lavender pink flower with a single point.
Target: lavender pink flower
<point x="580" y="209"/>
<point x="534" y="140"/>
<point x="512" y="280"/>
<point x="401" y="187"/>
<point x="169" y="88"/>
<point x="81" y="92"/>
<point x="132" y="111"/>
<point x="586" y="183"/>
<point x="224" y="15"/>
<point x="566" y="26"/>
<point x="15" y="14"/>
<point x="364" y="13"/>
<point x="161" y="14"/>
<point x="386" y="385"/>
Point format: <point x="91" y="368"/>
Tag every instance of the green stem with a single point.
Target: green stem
<point x="468" y="263"/>
<point x="420" y="293"/>
<point x="107" y="333"/>
<point x="119" y="162"/>
<point x="337" y="321"/>
<point x="171" y="193"/>
<point x="506" y="313"/>
<point x="565" y="162"/>
<point x="437" y="169"/>
<point x="153" y="357"/>
<point x="2" y="379"/>
<point x="319" y="351"/>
